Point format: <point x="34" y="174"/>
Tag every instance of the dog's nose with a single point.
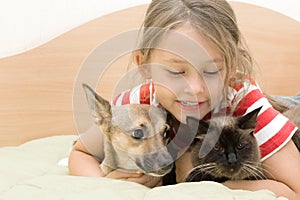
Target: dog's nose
<point x="163" y="159"/>
<point x="157" y="161"/>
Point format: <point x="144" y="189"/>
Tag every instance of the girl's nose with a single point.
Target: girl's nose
<point x="196" y="84"/>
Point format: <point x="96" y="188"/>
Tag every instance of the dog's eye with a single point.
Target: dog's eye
<point x="166" y="133"/>
<point x="137" y="134"/>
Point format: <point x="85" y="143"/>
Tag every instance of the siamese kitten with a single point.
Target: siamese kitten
<point x="225" y="149"/>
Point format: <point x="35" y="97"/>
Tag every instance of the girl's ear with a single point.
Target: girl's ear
<point x="138" y="58"/>
<point x="144" y="70"/>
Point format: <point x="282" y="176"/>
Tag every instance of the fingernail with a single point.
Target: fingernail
<point x="138" y="172"/>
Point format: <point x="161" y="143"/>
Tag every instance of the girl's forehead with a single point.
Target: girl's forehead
<point x="172" y="59"/>
<point x="186" y="43"/>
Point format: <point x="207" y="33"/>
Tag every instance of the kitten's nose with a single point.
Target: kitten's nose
<point x="231" y="158"/>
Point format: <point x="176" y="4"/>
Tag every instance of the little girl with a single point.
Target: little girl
<point x="193" y="53"/>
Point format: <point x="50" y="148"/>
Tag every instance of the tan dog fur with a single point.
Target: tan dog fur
<point x="136" y="136"/>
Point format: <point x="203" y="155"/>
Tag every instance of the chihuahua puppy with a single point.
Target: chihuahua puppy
<point x="136" y="136"/>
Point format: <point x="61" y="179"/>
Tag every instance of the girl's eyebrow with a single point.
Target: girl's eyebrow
<point x="176" y="60"/>
<point x="214" y="60"/>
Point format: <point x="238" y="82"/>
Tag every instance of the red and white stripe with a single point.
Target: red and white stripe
<point x="273" y="130"/>
<point x="141" y="94"/>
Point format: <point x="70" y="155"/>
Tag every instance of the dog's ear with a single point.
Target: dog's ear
<point x="100" y="108"/>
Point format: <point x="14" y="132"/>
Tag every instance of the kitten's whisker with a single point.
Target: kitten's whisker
<point x="207" y="168"/>
<point x="204" y="166"/>
<point x="255" y="171"/>
<point x="257" y="167"/>
<point x="249" y="172"/>
<point x="267" y="172"/>
<point x="218" y="171"/>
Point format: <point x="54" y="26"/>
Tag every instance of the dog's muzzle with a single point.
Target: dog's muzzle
<point x="156" y="164"/>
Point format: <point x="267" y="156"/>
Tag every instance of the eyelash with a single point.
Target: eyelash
<point x="204" y="72"/>
<point x="175" y="72"/>
<point x="211" y="73"/>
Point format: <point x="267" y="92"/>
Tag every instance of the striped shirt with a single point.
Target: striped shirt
<point x="273" y="130"/>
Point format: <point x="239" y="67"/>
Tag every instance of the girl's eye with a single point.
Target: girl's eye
<point x="137" y="134"/>
<point x="211" y="72"/>
<point x="175" y="72"/>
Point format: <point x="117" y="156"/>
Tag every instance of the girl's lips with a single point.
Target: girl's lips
<point x="190" y="105"/>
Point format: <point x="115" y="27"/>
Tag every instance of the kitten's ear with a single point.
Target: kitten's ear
<point x="100" y="108"/>
<point x="199" y="126"/>
<point x="249" y="120"/>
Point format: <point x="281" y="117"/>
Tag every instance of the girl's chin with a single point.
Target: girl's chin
<point x="196" y="113"/>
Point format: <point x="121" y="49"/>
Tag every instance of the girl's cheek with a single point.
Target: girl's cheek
<point x="215" y="89"/>
<point x="173" y="84"/>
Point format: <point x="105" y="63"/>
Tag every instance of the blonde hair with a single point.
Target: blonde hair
<point x="214" y="19"/>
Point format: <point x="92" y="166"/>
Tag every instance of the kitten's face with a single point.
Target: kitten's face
<point x="225" y="147"/>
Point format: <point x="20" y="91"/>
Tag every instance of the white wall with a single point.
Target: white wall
<point x="27" y="24"/>
<point x="290" y="8"/>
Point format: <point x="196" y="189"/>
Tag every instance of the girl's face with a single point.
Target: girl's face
<point x="187" y="88"/>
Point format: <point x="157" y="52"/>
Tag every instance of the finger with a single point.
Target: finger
<point x="156" y="181"/>
<point x="120" y="174"/>
<point x="149" y="181"/>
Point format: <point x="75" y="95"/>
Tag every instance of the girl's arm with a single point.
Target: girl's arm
<point x="283" y="171"/>
<point x="82" y="160"/>
<point x="82" y="163"/>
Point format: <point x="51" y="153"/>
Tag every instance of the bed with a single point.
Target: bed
<point x="37" y="125"/>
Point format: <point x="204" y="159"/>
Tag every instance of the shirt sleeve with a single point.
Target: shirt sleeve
<point x="273" y="130"/>
<point x="141" y="94"/>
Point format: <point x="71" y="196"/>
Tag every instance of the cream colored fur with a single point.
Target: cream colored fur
<point x="135" y="136"/>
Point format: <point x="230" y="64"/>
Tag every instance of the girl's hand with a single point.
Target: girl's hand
<point x="138" y="177"/>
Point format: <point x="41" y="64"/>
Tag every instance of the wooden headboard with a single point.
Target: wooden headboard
<point x="36" y="87"/>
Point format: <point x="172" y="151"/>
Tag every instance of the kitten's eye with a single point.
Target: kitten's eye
<point x="218" y="148"/>
<point x="242" y="145"/>
<point x="137" y="134"/>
